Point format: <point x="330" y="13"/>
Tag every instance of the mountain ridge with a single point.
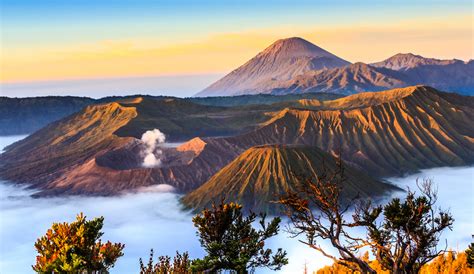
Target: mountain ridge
<point x="418" y="128"/>
<point x="20" y="116"/>
<point x="267" y="73"/>
<point x="406" y="61"/>
<point x="357" y="77"/>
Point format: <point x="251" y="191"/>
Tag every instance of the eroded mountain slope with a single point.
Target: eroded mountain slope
<point x="260" y="175"/>
<point x="382" y="133"/>
<point x="403" y="131"/>
<point x="47" y="154"/>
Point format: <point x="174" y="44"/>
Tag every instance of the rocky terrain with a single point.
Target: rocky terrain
<point x="354" y="78"/>
<point x="448" y="75"/>
<point x="97" y="151"/>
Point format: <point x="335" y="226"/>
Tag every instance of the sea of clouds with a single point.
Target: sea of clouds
<point x="153" y="218"/>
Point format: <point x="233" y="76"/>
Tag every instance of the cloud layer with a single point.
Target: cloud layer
<point x="153" y="218"/>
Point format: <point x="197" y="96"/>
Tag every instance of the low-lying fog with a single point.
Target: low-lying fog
<point x="153" y="219"/>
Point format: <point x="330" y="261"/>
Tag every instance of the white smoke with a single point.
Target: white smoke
<point x="152" y="139"/>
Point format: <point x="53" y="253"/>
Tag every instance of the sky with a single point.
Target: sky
<point x="57" y="41"/>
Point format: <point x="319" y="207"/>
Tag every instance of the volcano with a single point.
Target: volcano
<point x="281" y="61"/>
<point x="261" y="174"/>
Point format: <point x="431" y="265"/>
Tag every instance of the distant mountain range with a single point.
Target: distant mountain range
<point x="295" y="65"/>
<point x="97" y="152"/>
<point x="292" y="67"/>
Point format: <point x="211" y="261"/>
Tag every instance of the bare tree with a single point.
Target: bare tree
<point x="403" y="238"/>
<point x="316" y="212"/>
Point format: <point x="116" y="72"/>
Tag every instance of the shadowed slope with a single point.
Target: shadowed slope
<point x="178" y="118"/>
<point x="260" y="99"/>
<point x="449" y="75"/>
<point x="350" y="79"/>
<point x="262" y="174"/>
<point x="26" y="115"/>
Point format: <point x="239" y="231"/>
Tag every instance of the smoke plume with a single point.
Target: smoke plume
<point x="152" y="139"/>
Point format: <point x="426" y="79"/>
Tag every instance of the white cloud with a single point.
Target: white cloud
<point x="143" y="220"/>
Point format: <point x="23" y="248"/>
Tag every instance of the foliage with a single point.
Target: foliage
<point x="338" y="267"/>
<point x="470" y="255"/>
<point x="232" y="243"/>
<point x="402" y="235"/>
<point x="76" y="247"/>
<point x="449" y="262"/>
<point x="408" y="234"/>
<point x="181" y="264"/>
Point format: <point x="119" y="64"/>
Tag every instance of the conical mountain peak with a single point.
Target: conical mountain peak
<point x="262" y="174"/>
<point x="295" y="47"/>
<point x="281" y="61"/>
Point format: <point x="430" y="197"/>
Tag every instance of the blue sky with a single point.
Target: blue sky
<point x="25" y="22"/>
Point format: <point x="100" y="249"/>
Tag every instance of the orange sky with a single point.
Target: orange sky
<point x="220" y="52"/>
